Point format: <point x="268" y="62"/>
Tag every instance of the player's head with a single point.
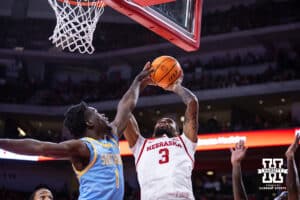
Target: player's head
<point x="80" y="118"/>
<point x="41" y="193"/>
<point x="282" y="196"/>
<point x="165" y="126"/>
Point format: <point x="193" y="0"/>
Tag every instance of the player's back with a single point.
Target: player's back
<point x="164" y="167"/>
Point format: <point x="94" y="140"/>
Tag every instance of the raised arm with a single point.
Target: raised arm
<point x="129" y="100"/>
<point x="190" y="125"/>
<point x="237" y="155"/>
<point x="68" y="149"/>
<point x="292" y="184"/>
<point x="132" y="131"/>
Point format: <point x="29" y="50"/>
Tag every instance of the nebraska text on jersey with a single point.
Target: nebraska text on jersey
<point x="165" y="143"/>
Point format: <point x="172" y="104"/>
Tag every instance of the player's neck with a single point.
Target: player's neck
<point x="98" y="134"/>
<point x="94" y="135"/>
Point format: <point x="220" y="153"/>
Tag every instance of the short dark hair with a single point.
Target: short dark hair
<point x="42" y="186"/>
<point x="75" y="119"/>
<point x="174" y="119"/>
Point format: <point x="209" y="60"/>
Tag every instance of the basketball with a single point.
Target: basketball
<point x="166" y="70"/>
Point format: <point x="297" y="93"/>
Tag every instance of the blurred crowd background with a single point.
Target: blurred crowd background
<point x="246" y="75"/>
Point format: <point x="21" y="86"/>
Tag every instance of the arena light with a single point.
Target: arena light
<point x="9" y="155"/>
<point x="263" y="138"/>
<point x="13" y="156"/>
<point x="182" y="118"/>
<point x="219" y="141"/>
<point x="210" y="173"/>
<point x="206" y="142"/>
<point x="22" y="133"/>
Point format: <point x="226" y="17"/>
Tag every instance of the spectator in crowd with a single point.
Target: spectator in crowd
<point x="278" y="67"/>
<point x="237" y="155"/>
<point x="41" y="193"/>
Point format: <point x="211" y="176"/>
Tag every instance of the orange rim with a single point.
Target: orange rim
<point x="75" y="3"/>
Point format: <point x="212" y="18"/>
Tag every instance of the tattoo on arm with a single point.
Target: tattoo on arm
<point x="185" y="94"/>
<point x="190" y="126"/>
<point x="190" y="118"/>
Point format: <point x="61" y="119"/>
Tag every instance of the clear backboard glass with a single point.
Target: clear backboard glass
<point x="177" y="21"/>
<point x="179" y="12"/>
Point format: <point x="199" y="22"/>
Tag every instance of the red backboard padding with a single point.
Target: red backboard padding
<point x="151" y="2"/>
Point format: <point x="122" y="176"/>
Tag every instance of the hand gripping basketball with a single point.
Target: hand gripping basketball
<point x="144" y="74"/>
<point x="174" y="85"/>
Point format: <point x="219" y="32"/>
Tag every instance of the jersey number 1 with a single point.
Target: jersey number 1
<point x="164" y="156"/>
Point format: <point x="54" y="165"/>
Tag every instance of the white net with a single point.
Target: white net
<point x="76" y="23"/>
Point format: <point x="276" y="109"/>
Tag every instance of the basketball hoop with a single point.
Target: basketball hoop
<point x="76" y="22"/>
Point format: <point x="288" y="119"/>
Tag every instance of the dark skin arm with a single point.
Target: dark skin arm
<point x="190" y="125"/>
<point x="129" y="100"/>
<point x="132" y="131"/>
<point x="68" y="149"/>
<point x="74" y="150"/>
<point x="237" y="155"/>
<point x="292" y="177"/>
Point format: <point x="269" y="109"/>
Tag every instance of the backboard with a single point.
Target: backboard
<point x="178" y="21"/>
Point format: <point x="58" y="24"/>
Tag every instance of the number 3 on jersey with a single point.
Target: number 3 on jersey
<point x="164" y="156"/>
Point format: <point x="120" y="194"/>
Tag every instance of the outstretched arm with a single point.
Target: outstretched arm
<point x="132" y="131"/>
<point x="129" y="100"/>
<point x="190" y="125"/>
<point x="237" y="155"/>
<point x="292" y="177"/>
<point x="66" y="149"/>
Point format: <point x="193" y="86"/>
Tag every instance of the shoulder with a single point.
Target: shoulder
<point x="74" y="143"/>
<point x="185" y="138"/>
<point x="78" y="147"/>
<point x="141" y="141"/>
<point x="188" y="142"/>
<point x="114" y="129"/>
<point x="114" y="138"/>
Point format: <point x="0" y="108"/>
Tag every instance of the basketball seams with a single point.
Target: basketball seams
<point x="167" y="72"/>
<point x="179" y="74"/>
<point x="158" y="66"/>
